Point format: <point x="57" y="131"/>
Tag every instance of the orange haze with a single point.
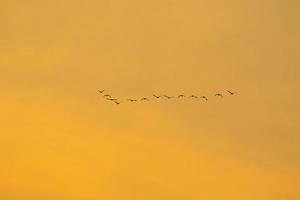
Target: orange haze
<point x="61" y="141"/>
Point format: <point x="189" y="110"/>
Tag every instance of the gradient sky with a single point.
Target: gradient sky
<point x="60" y="140"/>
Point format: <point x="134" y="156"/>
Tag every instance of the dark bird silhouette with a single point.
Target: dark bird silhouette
<point x="156" y="96"/>
<point x="110" y="99"/>
<point x="116" y="102"/>
<point x="101" y="91"/>
<point x="144" y="99"/>
<point x="204" y="97"/>
<point x="168" y="97"/>
<point x="219" y="95"/>
<point x="231" y="93"/>
<point x="107" y="95"/>
<point x="193" y="96"/>
<point x="132" y="100"/>
<point x="181" y="96"/>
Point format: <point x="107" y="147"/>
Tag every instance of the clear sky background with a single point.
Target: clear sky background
<point x="60" y="140"/>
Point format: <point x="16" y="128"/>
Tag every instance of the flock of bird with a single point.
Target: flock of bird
<point x="117" y="101"/>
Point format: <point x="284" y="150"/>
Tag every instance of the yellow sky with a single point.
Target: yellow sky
<point x="60" y="140"/>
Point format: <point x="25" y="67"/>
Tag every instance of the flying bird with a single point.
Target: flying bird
<point x="231" y="93"/>
<point x="181" y="96"/>
<point x="193" y="96"/>
<point x="168" y="97"/>
<point x="116" y="102"/>
<point x="101" y="91"/>
<point x="110" y="99"/>
<point x="107" y="95"/>
<point x="204" y="97"/>
<point x="156" y="96"/>
<point x="144" y="99"/>
<point x="132" y="100"/>
<point x="219" y="95"/>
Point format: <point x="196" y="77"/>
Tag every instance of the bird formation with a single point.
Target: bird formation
<point x="117" y="101"/>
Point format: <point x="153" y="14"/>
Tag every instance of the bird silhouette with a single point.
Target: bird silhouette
<point x="193" y="96"/>
<point x="156" y="96"/>
<point x="204" y="97"/>
<point x="231" y="93"/>
<point x="107" y="95"/>
<point x="116" y="102"/>
<point x="181" y="96"/>
<point x="132" y="100"/>
<point x="219" y="95"/>
<point x="101" y="91"/>
<point x="110" y="99"/>
<point x="144" y="99"/>
<point x="168" y="97"/>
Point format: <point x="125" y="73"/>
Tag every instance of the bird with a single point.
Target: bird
<point x="218" y="94"/>
<point x="193" y="96"/>
<point x="156" y="96"/>
<point x="107" y="95"/>
<point x="116" y="102"/>
<point x="132" y="100"/>
<point x="181" y="96"/>
<point x="110" y="99"/>
<point x="231" y="93"/>
<point x="101" y="91"/>
<point x="144" y="99"/>
<point x="204" y="97"/>
<point x="168" y="97"/>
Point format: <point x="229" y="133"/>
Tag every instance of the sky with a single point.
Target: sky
<point x="61" y="140"/>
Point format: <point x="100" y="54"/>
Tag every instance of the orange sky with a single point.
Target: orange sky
<point x="60" y="140"/>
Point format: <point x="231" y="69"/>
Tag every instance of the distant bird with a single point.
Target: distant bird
<point x="168" y="97"/>
<point x="181" y="96"/>
<point x="110" y="99"/>
<point x="219" y="95"/>
<point x="144" y="99"/>
<point x="193" y="96"/>
<point x="231" y="93"/>
<point x="156" y="96"/>
<point x="107" y="95"/>
<point x="204" y="97"/>
<point x="101" y="91"/>
<point x="132" y="100"/>
<point x="116" y="102"/>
